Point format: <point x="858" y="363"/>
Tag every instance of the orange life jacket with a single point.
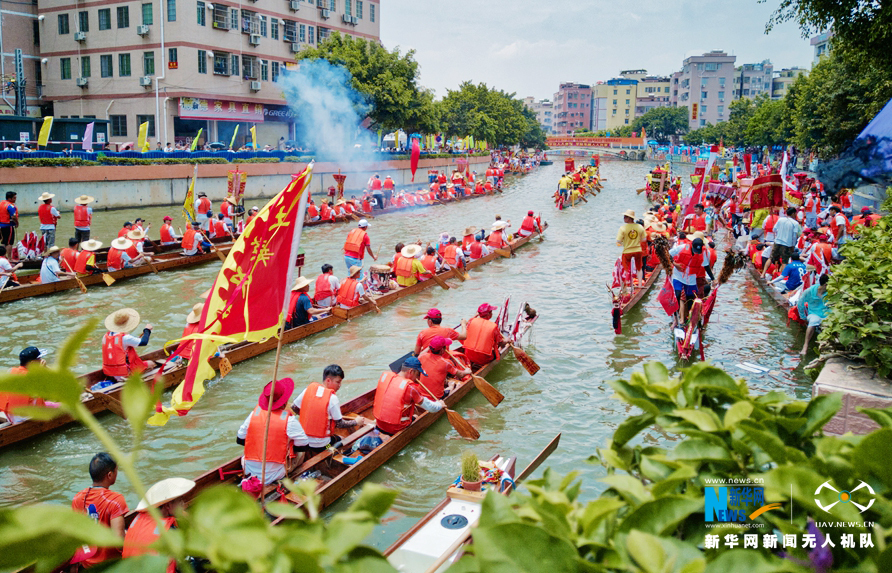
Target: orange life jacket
<point x="495" y="239"/>
<point x="312" y="211"/>
<point x="314" y="411"/>
<point x="82" y="217"/>
<point x="44" y="213"/>
<point x="450" y="255"/>
<point x="528" y="224"/>
<point x="117" y="360"/>
<point x="10" y="401"/>
<point x="323" y="288"/>
<point x="167" y="233"/>
<point x="403" y="267"/>
<point x="826" y="250"/>
<point x="83" y="259"/>
<point x="466" y="241"/>
<point x="476" y="250"/>
<point x="278" y="447"/>
<point x="429" y="262"/>
<point x="226" y="209"/>
<point x="480" y="337"/>
<point x="4" y="211"/>
<point x="391" y="406"/>
<point x="770" y="222"/>
<point x="68" y="258"/>
<point x="366" y="206"/>
<point x="219" y="228"/>
<point x="388" y="184"/>
<point x="204" y="205"/>
<point x="353" y="246"/>
<point x="189" y="239"/>
<point x="132" y="250"/>
<point x="687" y="262"/>
<point x="114" y="260"/>
<point x="142" y="533"/>
<point x="325" y="212"/>
<point x="347" y="293"/>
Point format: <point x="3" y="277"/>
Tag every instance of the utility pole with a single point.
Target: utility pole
<point x="21" y="108"/>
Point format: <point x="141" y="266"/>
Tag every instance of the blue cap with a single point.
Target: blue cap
<point x="414" y="364"/>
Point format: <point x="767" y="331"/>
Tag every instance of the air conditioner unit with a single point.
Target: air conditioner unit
<point x="721" y="99"/>
<point x="80" y="36"/>
<point x="356" y="19"/>
<point x="255" y="39"/>
<point x="145" y="81"/>
<point x="295" y="47"/>
<point x="142" y="30"/>
<point x="345" y="18"/>
<point x="82" y="82"/>
<point x="294" y="5"/>
<point x="255" y="86"/>
<point x="325" y="13"/>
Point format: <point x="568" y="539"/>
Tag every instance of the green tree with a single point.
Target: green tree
<point x="387" y="78"/>
<point x="488" y="114"/>
<point x="768" y="125"/>
<point x="663" y="122"/>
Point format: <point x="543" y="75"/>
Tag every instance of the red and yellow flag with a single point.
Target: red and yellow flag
<point x="249" y="296"/>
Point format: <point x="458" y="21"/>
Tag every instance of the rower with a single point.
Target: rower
<point x="496" y="239"/>
<point x="119" y="356"/>
<point x="633" y="240"/>
<point x="7" y="271"/>
<point x="453" y="255"/>
<point x="194" y="242"/>
<point x="352" y="292"/>
<point x="221" y="229"/>
<point x="408" y="268"/>
<point x="138" y="237"/>
<point x="300" y="307"/>
<point x="481" y="345"/>
<point x="438" y="366"/>
<point x="374" y="187"/>
<point x="50" y="271"/>
<point x="68" y="256"/>
<point x="357" y="244"/>
<point x="686" y="259"/>
<point x="312" y="212"/>
<point x="319" y="411"/>
<point x="697" y="221"/>
<point x="48" y="216"/>
<point x="396" y="397"/>
<point x="103" y="505"/>
<point x="326" y="288"/>
<point x="86" y="259"/>
<point x="193" y="325"/>
<point x="396" y="255"/>
<point x="434" y="328"/>
<point x="168" y="235"/>
<point x="431" y="263"/>
<point x="128" y="226"/>
<point x="468" y="237"/>
<point x="477" y="250"/>
<point x="166" y="495"/>
<point x="227" y="209"/>
<point x="284" y="433"/>
<point x="251" y="214"/>
<point x="118" y="257"/>
<point x="9" y="220"/>
<point x="83" y="218"/>
<point x="529" y="225"/>
<point x="339" y="212"/>
<point x="10" y="401"/>
<point x="203" y="207"/>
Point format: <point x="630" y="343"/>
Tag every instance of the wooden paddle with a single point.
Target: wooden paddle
<point x="488" y="390"/>
<point x="397" y="364"/>
<point x="440" y="281"/>
<point x="80" y="285"/>
<point x="108" y="279"/>
<point x="151" y="264"/>
<point x="528" y="363"/>
<point x="462" y="426"/>
<point x="214" y="248"/>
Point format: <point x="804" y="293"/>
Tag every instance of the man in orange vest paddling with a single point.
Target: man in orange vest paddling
<point x="397" y="395"/>
<point x="119" y="355"/>
<point x="166" y="495"/>
<point x="439" y="366"/>
<point x="352" y="292"/>
<point x="327" y="286"/>
<point x="284" y="433"/>
<point x="300" y="307"/>
<point x="357" y="244"/>
<point x="9" y="401"/>
<point x="433" y="318"/>
<point x="482" y="343"/>
<point x="104" y="506"/>
<point x="319" y="411"/>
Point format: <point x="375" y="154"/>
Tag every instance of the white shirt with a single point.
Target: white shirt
<point x="360" y="290"/>
<point x="841" y="221"/>
<point x="6" y="268"/>
<point x="50" y="226"/>
<point x="334" y="413"/>
<point x="786" y="231"/>
<point x="49" y="270"/>
<point x="274" y="471"/>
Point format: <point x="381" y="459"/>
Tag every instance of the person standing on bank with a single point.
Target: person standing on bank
<point x="48" y="216"/>
<point x="9" y="220"/>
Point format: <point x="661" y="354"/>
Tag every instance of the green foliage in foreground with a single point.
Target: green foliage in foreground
<point x="860" y="300"/>
<point x="649" y="520"/>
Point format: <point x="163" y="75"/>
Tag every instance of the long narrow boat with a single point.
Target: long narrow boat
<point x="780" y="300"/>
<point x="440" y="535"/>
<point x="165" y="262"/>
<point x="625" y="301"/>
<point x="109" y="397"/>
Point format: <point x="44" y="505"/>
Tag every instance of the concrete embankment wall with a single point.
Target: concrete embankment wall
<point x="118" y="187"/>
<point x="860" y="387"/>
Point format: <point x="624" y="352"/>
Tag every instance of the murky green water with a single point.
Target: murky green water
<point x="563" y="278"/>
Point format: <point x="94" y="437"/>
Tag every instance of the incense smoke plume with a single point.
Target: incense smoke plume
<point x="329" y="111"/>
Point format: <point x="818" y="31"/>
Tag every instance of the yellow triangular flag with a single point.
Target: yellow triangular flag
<point x="254" y="137"/>
<point x="44" y="136"/>
<point x="195" y="141"/>
<point x="141" y="138"/>
<point x="234" y="134"/>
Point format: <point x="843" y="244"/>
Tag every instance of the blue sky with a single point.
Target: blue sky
<point x="530" y="46"/>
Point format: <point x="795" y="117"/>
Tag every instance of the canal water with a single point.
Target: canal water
<point x="563" y="278"/>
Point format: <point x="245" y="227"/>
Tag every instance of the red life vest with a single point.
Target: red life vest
<point x="325" y="212"/>
<point x="429" y="262"/>
<point x="466" y="241"/>
<point x="480" y="337"/>
<point x="84" y="259"/>
<point x="44" y="213"/>
<point x="353" y="246"/>
<point x="167" y="233"/>
<point x="826" y="251"/>
<point x="118" y="360"/>
<point x="114" y="261"/>
<point x="770" y="222"/>
<point x="347" y="293"/>
<point x="391" y="406"/>
<point x="142" y="533"/>
<point x="495" y="239"/>
<point x="278" y="446"/>
<point x="204" y="206"/>
<point x="528" y="224"/>
<point x="441" y="178"/>
<point x="476" y="250"/>
<point x="314" y="411"/>
<point x="687" y="262"/>
<point x="132" y="250"/>
<point x="450" y="255"/>
<point x="219" y="228"/>
<point x="388" y="184"/>
<point x="82" y="216"/>
<point x="366" y="206"/>
<point x="4" y="211"/>
<point x="403" y="267"/>
<point x="323" y="288"/>
<point x="189" y="242"/>
<point x="226" y="209"/>
<point x="312" y="211"/>
<point x="375" y="185"/>
<point x="68" y="259"/>
<point x="813" y="205"/>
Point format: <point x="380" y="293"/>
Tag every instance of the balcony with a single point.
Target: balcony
<point x="221" y="63"/>
<point x="220" y="17"/>
<point x="250" y="22"/>
<point x="250" y="68"/>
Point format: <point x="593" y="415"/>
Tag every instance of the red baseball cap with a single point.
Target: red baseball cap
<point x="485" y="308"/>
<point x="440" y="342"/>
<point x="167" y="218"/>
<point x="433" y="313"/>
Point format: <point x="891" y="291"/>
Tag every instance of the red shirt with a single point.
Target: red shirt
<point x="413" y="395"/>
<point x="428" y="334"/>
<point x="103" y="505"/>
<point x="437" y="367"/>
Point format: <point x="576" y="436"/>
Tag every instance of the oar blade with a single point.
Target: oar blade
<point x="488" y="390"/>
<point x="462" y="426"/>
<point x="397" y="364"/>
<point x="440" y="281"/>
<point x="108" y="279"/>
<point x="504" y="252"/>
<point x="528" y="363"/>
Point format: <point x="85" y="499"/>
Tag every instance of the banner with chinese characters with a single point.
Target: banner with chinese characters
<point x="201" y="108"/>
<point x="235" y="184"/>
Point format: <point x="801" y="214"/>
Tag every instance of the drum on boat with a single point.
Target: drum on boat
<point x="380" y="277"/>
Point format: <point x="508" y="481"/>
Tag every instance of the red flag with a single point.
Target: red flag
<point x="748" y="163"/>
<point x="413" y="161"/>
<point x="767" y="192"/>
<point x="250" y="292"/>
<point x="667" y="297"/>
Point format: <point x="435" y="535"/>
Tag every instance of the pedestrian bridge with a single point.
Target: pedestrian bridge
<point x="618" y="147"/>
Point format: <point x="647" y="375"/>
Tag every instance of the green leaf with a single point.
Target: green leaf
<point x="596" y="511"/>
<point x="705" y="420"/>
<point x="345" y="531"/>
<point x="629" y="488"/>
<point x="139" y="402"/>
<point x="140" y="564"/>
<point x="662" y="515"/>
<point x="374" y="499"/>
<point x="522" y="548"/>
<point x="630" y="427"/>
<point x="646" y="551"/>
<point x="668" y="484"/>
<point x="819" y="411"/>
<point x="874" y="454"/>
<point x="696" y="449"/>
<point x="41" y="413"/>
<point x="883" y="417"/>
<point x="737" y="412"/>
<point x="496" y="509"/>
<point x="41" y="382"/>
<point x="767" y="441"/>
<point x="363" y="564"/>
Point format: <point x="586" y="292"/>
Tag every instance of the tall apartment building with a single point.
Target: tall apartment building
<point x="572" y="108"/>
<point x="200" y="64"/>
<point x="622" y="94"/>
<point x="653" y="92"/>
<point x="783" y="79"/>
<point x="19" y="30"/>
<point x="753" y="80"/>
<point x="544" y="110"/>
<point x="708" y="82"/>
<point x="821" y="44"/>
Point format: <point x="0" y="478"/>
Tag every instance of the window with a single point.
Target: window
<point x="721" y="95"/>
<point x="264" y="70"/>
<point x="303" y="33"/>
<point x="274" y="28"/>
<point x="171" y="10"/>
<point x="371" y="12"/>
<point x="702" y="110"/>
<point x="275" y="70"/>
<point x="702" y="123"/>
<point x="172" y="61"/>
<point x="123" y="16"/>
<point x="250" y="67"/>
<point x="105" y="66"/>
<point x="746" y="92"/>
<point x="628" y="92"/>
<point x="221" y="63"/>
<point x="118" y="125"/>
<point x="704" y="95"/>
<point x="83" y="21"/>
<point x="35" y="29"/>
<point x="65" y="68"/>
<point x="141" y="119"/>
<point x="627" y="111"/>
<point x="711" y="66"/>
<point x="627" y="102"/>
<point x="746" y="79"/>
<point x="310" y="35"/>
<point x="148" y="63"/>
<point x="263" y="26"/>
<point x="666" y="89"/>
<point x="358" y="9"/>
<point x="199" y="13"/>
<point x="124" y="65"/>
<point x="614" y="92"/>
<point x="233" y="19"/>
<point x="721" y="110"/>
<point x="234" y="68"/>
<point x="627" y="119"/>
<point x="105" y="19"/>
<point x="85" y="66"/>
<point x="202" y="62"/>
<point x="332" y="5"/>
<point x="721" y="82"/>
<point x="147" y="17"/>
<point x="322" y="33"/>
<point x="63" y="24"/>
<point x="289" y="30"/>
<point x="348" y="7"/>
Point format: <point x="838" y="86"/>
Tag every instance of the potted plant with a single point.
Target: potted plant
<point x="470" y="472"/>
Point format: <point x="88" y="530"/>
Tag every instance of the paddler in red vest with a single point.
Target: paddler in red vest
<point x="357" y="244"/>
<point x="227" y="209"/>
<point x="83" y="218"/>
<point x="284" y="432"/>
<point x="193" y="325"/>
<point x="68" y="256"/>
<point x="529" y="225"/>
<point x="9" y="220"/>
<point x="10" y="401"/>
<point x="351" y="292"/>
<point x="104" y="506"/>
<point x="166" y="495"/>
<point x="686" y="259"/>
<point x="468" y="238"/>
<point x="312" y="212"/>
<point x="118" y="257"/>
<point x="453" y="255"/>
<point x="477" y="250"/>
<point x="339" y="212"/>
<point x="319" y="411"/>
<point x="408" y="267"/>
<point x="439" y="366"/>
<point x="431" y="263"/>
<point x="396" y="397"/>
<point x="119" y="355"/>
<point x="203" y="208"/>
<point x="496" y="239"/>
<point x="48" y="216"/>
<point x="85" y="263"/>
<point x="194" y="242"/>
<point x="697" y="221"/>
<point x="327" y="285"/>
<point x="138" y="238"/>
<point x="325" y="211"/>
<point x="168" y="235"/>
<point x="251" y="214"/>
<point x="300" y="306"/>
<point x="482" y="343"/>
<point x="221" y="229"/>
<point x="434" y="319"/>
<point x="128" y="226"/>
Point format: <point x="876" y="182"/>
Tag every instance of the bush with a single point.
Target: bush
<point x="135" y="161"/>
<point x="259" y="160"/>
<point x="47" y="162"/>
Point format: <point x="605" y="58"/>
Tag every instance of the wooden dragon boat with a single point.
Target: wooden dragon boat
<point x="436" y="541"/>
<point x="109" y="398"/>
<point x="625" y="301"/>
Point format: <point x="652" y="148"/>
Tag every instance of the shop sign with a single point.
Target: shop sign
<point x="200" y="108"/>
